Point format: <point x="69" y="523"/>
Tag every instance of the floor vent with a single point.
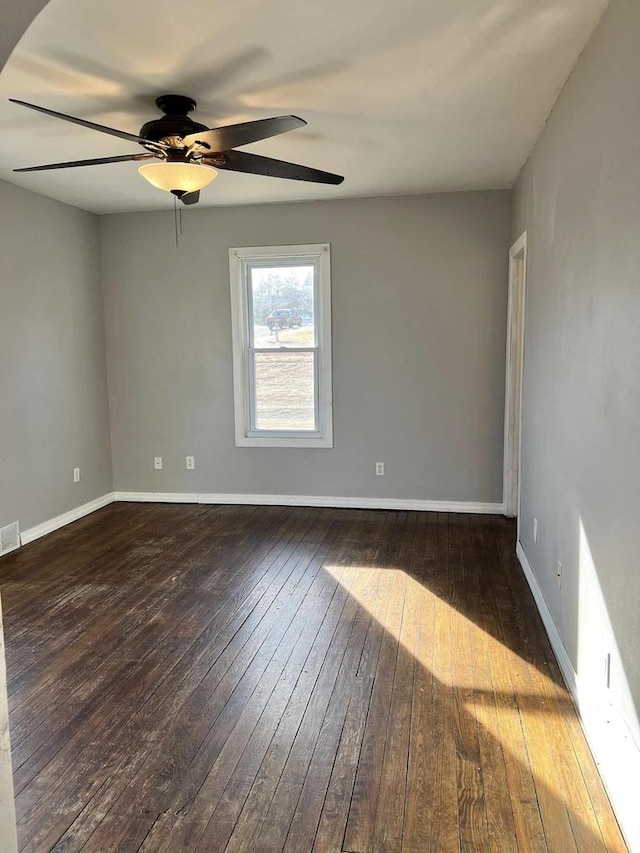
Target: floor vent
<point x="9" y="538"/>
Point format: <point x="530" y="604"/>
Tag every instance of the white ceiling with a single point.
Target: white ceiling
<point x="401" y="96"/>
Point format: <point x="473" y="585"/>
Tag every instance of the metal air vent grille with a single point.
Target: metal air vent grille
<point x="9" y="538"/>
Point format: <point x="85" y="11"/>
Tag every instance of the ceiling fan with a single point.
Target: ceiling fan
<point x="189" y="153"/>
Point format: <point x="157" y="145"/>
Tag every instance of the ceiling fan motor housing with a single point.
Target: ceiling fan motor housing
<point x="175" y="121"/>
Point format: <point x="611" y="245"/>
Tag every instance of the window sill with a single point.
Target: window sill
<point x="284" y="441"/>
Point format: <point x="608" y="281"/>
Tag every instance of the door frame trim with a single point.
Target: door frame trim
<point x="514" y="377"/>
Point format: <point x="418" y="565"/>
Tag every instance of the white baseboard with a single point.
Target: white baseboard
<point x="52" y="524"/>
<point x="554" y="635"/>
<point x="313" y="500"/>
<point x="158" y="497"/>
<point x="59" y="521"/>
<point x="612" y="744"/>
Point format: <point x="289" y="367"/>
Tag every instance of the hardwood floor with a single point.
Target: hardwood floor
<point x="193" y="678"/>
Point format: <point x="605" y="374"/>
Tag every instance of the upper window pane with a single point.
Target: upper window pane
<point x="282" y="312"/>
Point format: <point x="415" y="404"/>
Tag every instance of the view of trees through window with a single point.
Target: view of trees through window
<point x="282" y="319"/>
<point x="282" y="306"/>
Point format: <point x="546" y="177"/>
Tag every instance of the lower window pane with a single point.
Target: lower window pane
<point x="284" y="391"/>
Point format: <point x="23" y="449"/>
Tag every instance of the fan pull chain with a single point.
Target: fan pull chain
<point x="177" y="220"/>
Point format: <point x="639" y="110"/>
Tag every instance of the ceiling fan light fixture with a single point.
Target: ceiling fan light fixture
<point x="178" y="177"/>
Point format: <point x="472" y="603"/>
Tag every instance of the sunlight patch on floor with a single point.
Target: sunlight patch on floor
<point x="427" y="601"/>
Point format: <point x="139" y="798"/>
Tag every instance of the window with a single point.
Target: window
<point x="281" y="313"/>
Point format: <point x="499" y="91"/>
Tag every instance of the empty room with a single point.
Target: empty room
<point x="319" y="415"/>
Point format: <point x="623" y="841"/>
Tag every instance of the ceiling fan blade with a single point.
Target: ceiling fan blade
<point x="242" y="161"/>
<point x="97" y="162"/>
<point x="132" y="137"/>
<point x="190" y="198"/>
<point x="234" y="135"/>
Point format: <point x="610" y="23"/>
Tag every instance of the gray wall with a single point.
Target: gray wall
<point x="419" y="304"/>
<point x="579" y="198"/>
<point x="16" y="17"/>
<point x="53" y="395"/>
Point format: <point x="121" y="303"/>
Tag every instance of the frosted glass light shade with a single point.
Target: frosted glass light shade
<point x="184" y="177"/>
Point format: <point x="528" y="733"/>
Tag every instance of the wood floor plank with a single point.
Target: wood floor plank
<point x="285" y="763"/>
<point x="65" y="599"/>
<point x="206" y="778"/>
<point x="444" y="830"/>
<point x="390" y="812"/>
<point x="501" y="827"/>
<point x="542" y="740"/>
<point x="224" y="688"/>
<point x="295" y="828"/>
<point x="472" y="808"/>
<point x="335" y="808"/>
<point x="364" y="800"/>
<point x="303" y="826"/>
<point x="100" y="696"/>
<point x="134" y="688"/>
<point x="317" y="736"/>
<point x="544" y="682"/>
<point x="186" y="828"/>
<point x="420" y="799"/>
<point x="116" y="526"/>
<point x="605" y="818"/>
<point x="520" y="781"/>
<point x="93" y="653"/>
<point x="220" y="679"/>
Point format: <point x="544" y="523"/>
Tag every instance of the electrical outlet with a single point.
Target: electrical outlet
<point x="76" y="475"/>
<point x="157" y="462"/>
<point x="379" y="469"/>
<point x="191" y="463"/>
<point x="559" y="575"/>
<point x="535" y="531"/>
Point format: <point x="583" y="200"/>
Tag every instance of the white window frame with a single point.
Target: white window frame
<point x="318" y="254"/>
